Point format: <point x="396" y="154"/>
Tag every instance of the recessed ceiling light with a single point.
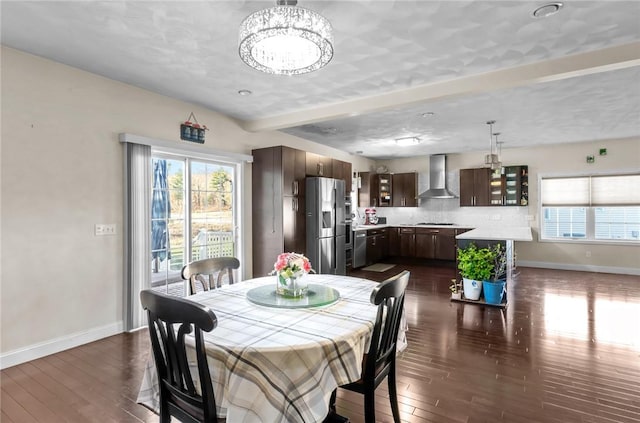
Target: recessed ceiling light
<point x="244" y="92"/>
<point x="407" y="141"/>
<point x="547" y="10"/>
<point x="428" y="114"/>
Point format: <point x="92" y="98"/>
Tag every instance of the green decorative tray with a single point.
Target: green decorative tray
<point x="317" y="295"/>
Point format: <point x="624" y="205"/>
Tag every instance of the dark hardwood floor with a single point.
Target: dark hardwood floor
<point x="566" y="349"/>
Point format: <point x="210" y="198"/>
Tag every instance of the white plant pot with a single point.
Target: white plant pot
<point x="456" y="295"/>
<point x="472" y="289"/>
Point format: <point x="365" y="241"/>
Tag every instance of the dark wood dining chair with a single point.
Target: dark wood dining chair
<point x="178" y="396"/>
<point x="214" y="268"/>
<point x="380" y="361"/>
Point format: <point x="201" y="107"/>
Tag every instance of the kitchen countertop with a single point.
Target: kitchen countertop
<point x="407" y="225"/>
<point x="499" y="234"/>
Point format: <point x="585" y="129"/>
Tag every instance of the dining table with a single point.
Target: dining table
<point x="276" y="359"/>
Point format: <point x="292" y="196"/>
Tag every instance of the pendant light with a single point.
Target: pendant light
<point x="499" y="148"/>
<point x="491" y="159"/>
<point x="497" y="164"/>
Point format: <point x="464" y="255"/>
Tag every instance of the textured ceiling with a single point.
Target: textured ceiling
<point x="545" y="81"/>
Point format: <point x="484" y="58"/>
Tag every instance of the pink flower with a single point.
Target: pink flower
<point x="292" y="263"/>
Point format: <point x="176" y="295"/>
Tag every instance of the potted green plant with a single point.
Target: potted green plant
<point x="475" y="265"/>
<point x="494" y="287"/>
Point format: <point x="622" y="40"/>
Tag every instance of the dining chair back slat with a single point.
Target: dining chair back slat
<point x="178" y="395"/>
<point x="214" y="268"/>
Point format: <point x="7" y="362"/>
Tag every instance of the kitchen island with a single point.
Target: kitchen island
<point x="487" y="237"/>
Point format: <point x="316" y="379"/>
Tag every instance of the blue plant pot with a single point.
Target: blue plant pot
<point x="493" y="291"/>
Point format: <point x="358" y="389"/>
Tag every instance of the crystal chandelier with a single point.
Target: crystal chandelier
<point x="286" y="39"/>
<point x="491" y="159"/>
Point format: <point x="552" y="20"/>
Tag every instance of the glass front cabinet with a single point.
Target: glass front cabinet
<point x="509" y="186"/>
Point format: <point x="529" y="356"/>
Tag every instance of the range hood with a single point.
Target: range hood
<point x="437" y="178"/>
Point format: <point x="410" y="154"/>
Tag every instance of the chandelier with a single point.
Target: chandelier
<point x="491" y="159"/>
<point x="286" y="39"/>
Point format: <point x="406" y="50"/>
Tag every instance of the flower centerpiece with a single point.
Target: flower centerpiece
<point x="290" y="270"/>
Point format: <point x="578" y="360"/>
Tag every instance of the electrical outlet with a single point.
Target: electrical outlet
<point x="588" y="254"/>
<point x="531" y="217"/>
<point x="496" y="217"/>
<point x="102" y="229"/>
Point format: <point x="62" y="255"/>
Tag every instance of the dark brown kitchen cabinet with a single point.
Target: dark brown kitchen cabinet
<point x="342" y="170"/>
<point x="317" y="165"/>
<point x="278" y="212"/>
<point x="475" y="187"/>
<point x="377" y="245"/>
<point x="445" y="245"/>
<point x="425" y="243"/>
<point x="364" y="192"/>
<point x="516" y="185"/>
<point x="384" y="189"/>
<point x="407" y="242"/>
<point x="510" y="186"/>
<point x="436" y="243"/>
<point x="404" y="189"/>
<point x="394" y="241"/>
<point x="293" y="171"/>
<point x="369" y="190"/>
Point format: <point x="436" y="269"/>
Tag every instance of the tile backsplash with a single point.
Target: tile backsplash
<point x="449" y="211"/>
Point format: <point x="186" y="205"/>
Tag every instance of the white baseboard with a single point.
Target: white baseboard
<point x="22" y="355"/>
<point x="580" y="267"/>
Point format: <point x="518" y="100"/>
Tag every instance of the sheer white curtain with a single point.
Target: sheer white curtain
<point x="137" y="248"/>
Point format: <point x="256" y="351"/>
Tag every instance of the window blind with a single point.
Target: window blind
<point x="605" y="190"/>
<point x="565" y="192"/>
<point x="615" y="190"/>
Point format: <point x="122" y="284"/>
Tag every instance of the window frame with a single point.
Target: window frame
<point x="590" y="229"/>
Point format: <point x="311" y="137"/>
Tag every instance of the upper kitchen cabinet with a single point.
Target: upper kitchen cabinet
<point x="342" y="170"/>
<point x="293" y="171"/>
<point x="364" y="192"/>
<point x="278" y="205"/>
<point x="475" y="188"/>
<point x="404" y="190"/>
<point x="384" y="189"/>
<point x="318" y="165"/>
<point x="371" y="190"/>
<point x="510" y="186"/>
<point x="516" y="186"/>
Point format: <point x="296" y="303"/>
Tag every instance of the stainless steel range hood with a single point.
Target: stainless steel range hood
<point x="437" y="178"/>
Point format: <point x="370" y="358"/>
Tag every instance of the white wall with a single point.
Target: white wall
<point x="62" y="172"/>
<point x="562" y="159"/>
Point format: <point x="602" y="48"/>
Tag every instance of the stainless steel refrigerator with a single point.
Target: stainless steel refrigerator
<point x="326" y="225"/>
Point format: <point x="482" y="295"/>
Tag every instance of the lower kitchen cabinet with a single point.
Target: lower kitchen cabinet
<point x="428" y="243"/>
<point x="373" y="245"/>
<point x="436" y="243"/>
<point x="377" y="245"/>
<point x="425" y="242"/>
<point x="407" y="242"/>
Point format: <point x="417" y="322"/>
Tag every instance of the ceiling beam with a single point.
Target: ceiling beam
<point x="604" y="60"/>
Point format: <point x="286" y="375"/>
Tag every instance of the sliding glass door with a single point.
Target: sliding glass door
<point x="193" y="216"/>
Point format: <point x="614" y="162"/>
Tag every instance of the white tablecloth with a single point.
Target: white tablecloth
<point x="281" y="365"/>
